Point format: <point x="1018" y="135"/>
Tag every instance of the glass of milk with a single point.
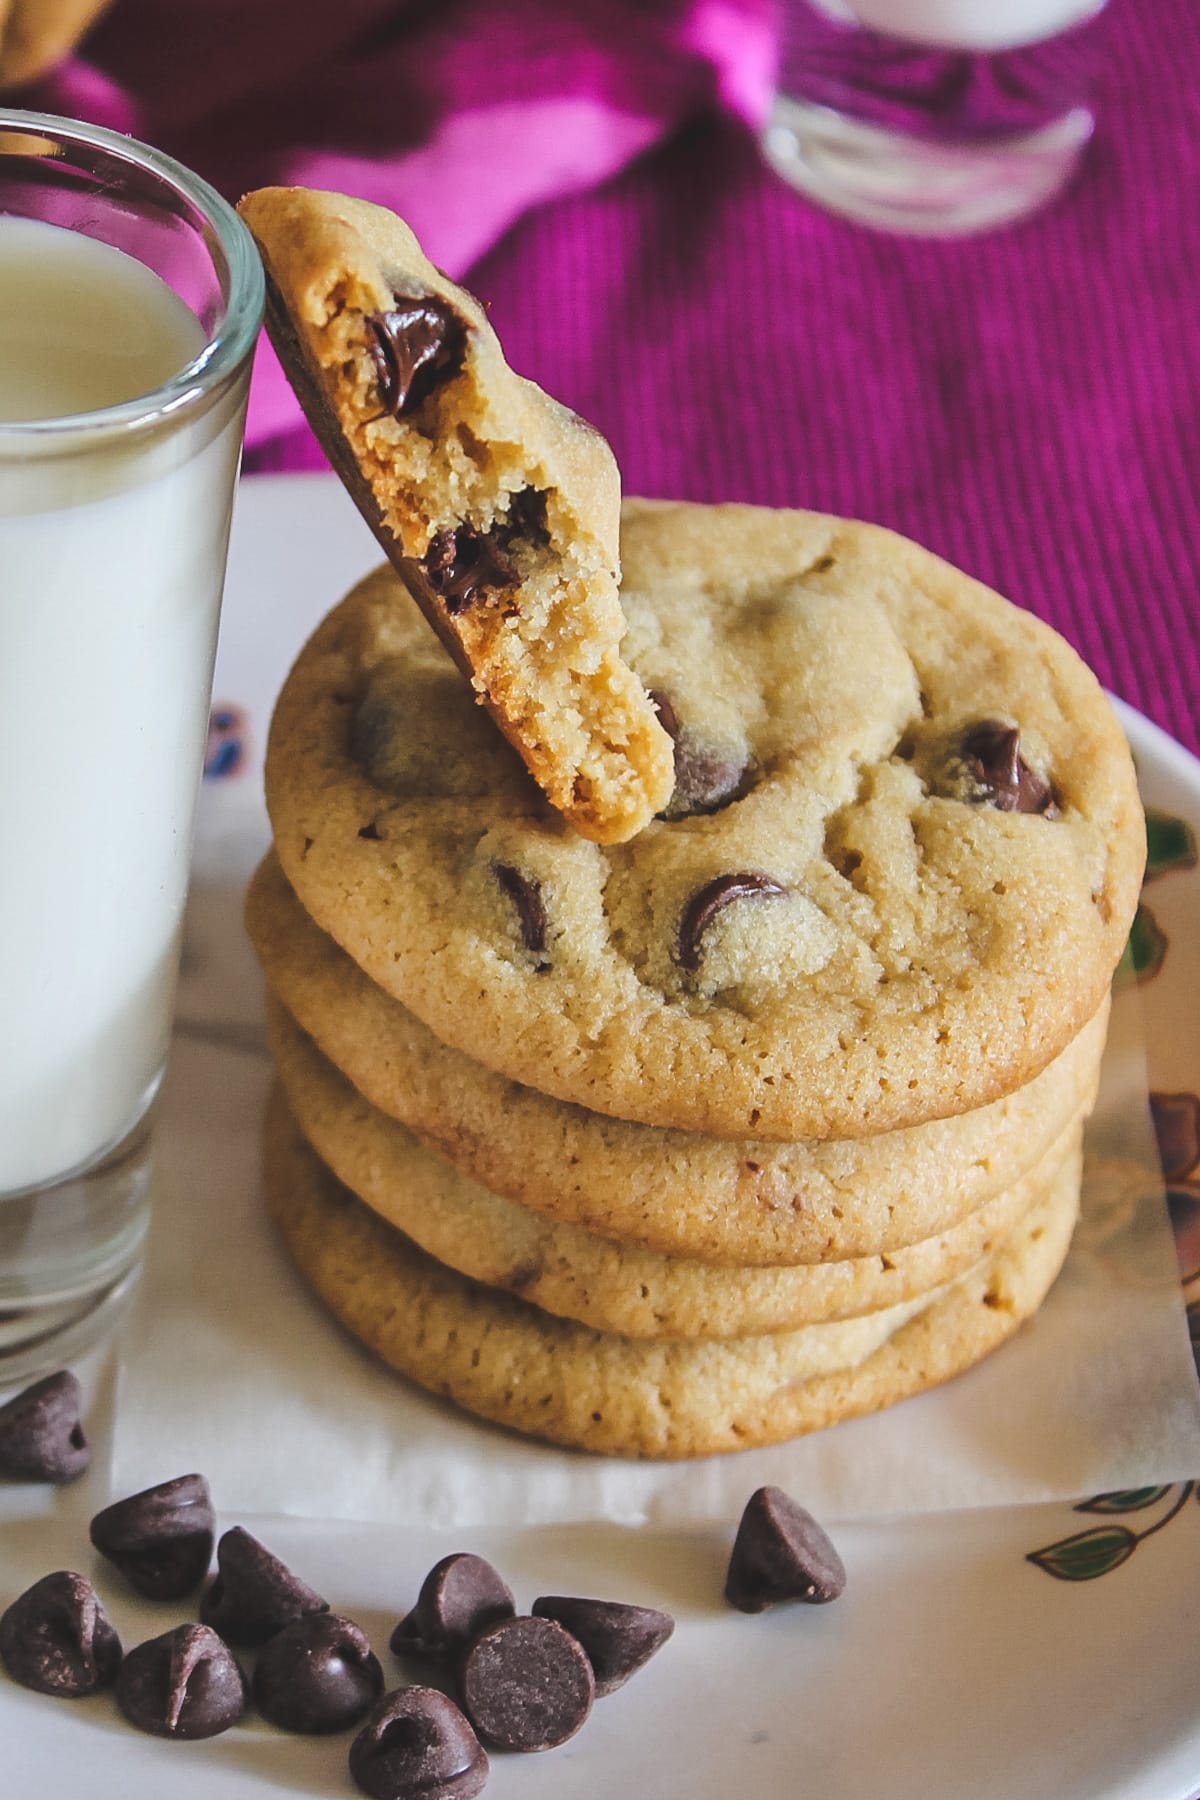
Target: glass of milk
<point x="130" y="300"/>
<point x="936" y="117"/>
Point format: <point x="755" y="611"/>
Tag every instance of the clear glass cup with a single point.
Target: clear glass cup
<point x="114" y="523"/>
<point x="933" y="117"/>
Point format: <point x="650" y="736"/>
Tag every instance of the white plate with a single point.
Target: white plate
<point x="955" y="1668"/>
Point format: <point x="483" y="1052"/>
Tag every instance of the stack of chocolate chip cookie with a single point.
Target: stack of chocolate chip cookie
<point x="664" y="1119"/>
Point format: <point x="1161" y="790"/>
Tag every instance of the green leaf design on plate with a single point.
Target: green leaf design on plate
<point x="1125" y="1500"/>
<point x="1170" y="843"/>
<point x="1088" y="1554"/>
<point x="1143" y="955"/>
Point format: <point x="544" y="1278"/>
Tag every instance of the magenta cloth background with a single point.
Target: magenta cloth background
<point x="1026" y="403"/>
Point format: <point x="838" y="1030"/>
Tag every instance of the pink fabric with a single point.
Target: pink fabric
<point x="1027" y="402"/>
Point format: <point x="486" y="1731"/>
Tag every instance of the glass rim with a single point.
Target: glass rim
<point x="224" y="350"/>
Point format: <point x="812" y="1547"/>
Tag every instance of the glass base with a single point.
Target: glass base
<point x="69" y="1256"/>
<point x="921" y="186"/>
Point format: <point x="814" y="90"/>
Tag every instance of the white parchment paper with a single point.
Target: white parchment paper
<point x="227" y="1365"/>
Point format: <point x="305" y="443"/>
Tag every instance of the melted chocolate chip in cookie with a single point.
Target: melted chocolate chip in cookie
<point x="526" y="895"/>
<point x="991" y="755"/>
<point x="58" y="1639"/>
<point x="414" y="347"/>
<point x="41" y="1434"/>
<point x="712" y="899"/>
<point x="459" y="565"/>
<point x="706" y="778"/>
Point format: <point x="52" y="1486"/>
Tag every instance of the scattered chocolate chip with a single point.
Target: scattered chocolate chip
<point x="991" y="754"/>
<point x="318" y="1674"/>
<point x="58" y="1639"/>
<point x="527" y="1684"/>
<point x="414" y="347"/>
<point x="253" y="1595"/>
<point x="460" y="1597"/>
<point x="460" y="564"/>
<point x="706" y="779"/>
<point x="184" y="1684"/>
<point x="41" y="1437"/>
<point x="712" y="899"/>
<point x="161" y="1539"/>
<point x="781" y="1553"/>
<point x="618" y="1638"/>
<point x="526" y="895"/>
<point x="418" y="1746"/>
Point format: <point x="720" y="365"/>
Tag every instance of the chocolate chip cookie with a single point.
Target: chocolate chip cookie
<point x="891" y="885"/>
<point x="598" y="1281"/>
<point x="499" y="1357"/>
<point x="714" y="1199"/>
<point x="498" y="507"/>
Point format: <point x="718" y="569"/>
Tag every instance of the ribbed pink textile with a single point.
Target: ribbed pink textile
<point x="1026" y="403"/>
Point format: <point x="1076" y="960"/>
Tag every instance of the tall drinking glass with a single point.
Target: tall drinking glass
<point x="130" y="300"/>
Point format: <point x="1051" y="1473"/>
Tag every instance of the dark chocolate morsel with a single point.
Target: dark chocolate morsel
<point x="415" y="346"/>
<point x="184" y="1684"/>
<point x="58" y="1639"/>
<point x="417" y="1745"/>
<point x="526" y="895"/>
<point x="41" y="1437"/>
<point x="527" y="1684"/>
<point x="991" y="754"/>
<point x="253" y="1595"/>
<point x="460" y="564"/>
<point x="706" y="779"/>
<point x="781" y="1553"/>
<point x="318" y="1674"/>
<point x="712" y="899"/>
<point x="460" y="1597"/>
<point x="1176" y="1121"/>
<point x="618" y="1638"/>
<point x="161" y="1539"/>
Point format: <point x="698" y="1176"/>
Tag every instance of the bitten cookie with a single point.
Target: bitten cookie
<point x="899" y="866"/>
<point x="718" y="1200"/>
<point x="498" y="507"/>
<point x="501" y="1358"/>
<point x="602" y="1283"/>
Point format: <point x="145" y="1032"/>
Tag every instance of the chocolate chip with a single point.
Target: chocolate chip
<point x="991" y="754"/>
<point x="781" y="1553"/>
<point x="418" y="1746"/>
<point x="527" y="1684"/>
<point x="526" y="895"/>
<point x="161" y="1539"/>
<point x="414" y="347"/>
<point x="706" y="779"/>
<point x="318" y="1674"/>
<point x="460" y="1597"/>
<point x="58" y="1639"/>
<point x="618" y="1638"/>
<point x="460" y="564"/>
<point x="184" y="1684"/>
<point x="712" y="899"/>
<point x="41" y="1437"/>
<point x="254" y="1595"/>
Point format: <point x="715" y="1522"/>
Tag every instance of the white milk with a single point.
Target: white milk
<point x="110" y="578"/>
<point x="976" y="25"/>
